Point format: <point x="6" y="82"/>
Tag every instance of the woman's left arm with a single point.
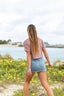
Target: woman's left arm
<point x="46" y="55"/>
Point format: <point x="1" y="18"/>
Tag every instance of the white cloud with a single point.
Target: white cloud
<point x="46" y="15"/>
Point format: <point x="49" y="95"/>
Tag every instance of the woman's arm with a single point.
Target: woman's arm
<point x="28" y="59"/>
<point x="46" y="55"/>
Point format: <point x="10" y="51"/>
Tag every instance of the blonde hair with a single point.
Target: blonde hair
<point x="34" y="42"/>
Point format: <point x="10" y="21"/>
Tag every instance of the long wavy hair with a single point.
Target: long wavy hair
<point x="34" y="42"/>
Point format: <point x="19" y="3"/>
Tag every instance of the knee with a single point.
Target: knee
<point x="27" y="80"/>
<point x="44" y="83"/>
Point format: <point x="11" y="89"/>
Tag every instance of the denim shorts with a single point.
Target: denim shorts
<point x="37" y="65"/>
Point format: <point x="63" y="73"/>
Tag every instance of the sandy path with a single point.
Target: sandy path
<point x="43" y="91"/>
<point x="9" y="89"/>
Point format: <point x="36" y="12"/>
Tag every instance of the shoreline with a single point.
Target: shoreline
<point x="18" y="45"/>
<point x="9" y="45"/>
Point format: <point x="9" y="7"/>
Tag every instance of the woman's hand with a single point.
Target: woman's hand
<point x="29" y="72"/>
<point x="50" y="65"/>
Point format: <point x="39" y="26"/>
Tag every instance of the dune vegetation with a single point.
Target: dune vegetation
<point x="13" y="71"/>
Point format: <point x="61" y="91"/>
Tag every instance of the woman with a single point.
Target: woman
<point x="33" y="47"/>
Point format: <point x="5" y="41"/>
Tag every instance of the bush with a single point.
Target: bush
<point x="61" y="66"/>
<point x="6" y="56"/>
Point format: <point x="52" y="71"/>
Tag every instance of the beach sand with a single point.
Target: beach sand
<point x="8" y="45"/>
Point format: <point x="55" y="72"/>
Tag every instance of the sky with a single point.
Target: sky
<point x="46" y="15"/>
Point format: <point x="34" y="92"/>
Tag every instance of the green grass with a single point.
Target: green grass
<point x="56" y="91"/>
<point x="20" y="93"/>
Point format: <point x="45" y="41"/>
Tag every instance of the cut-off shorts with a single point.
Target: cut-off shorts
<point x="37" y="65"/>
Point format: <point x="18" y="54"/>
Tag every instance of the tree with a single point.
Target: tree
<point x="9" y="40"/>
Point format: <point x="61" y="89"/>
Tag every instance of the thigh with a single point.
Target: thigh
<point x="42" y="76"/>
<point x="29" y="77"/>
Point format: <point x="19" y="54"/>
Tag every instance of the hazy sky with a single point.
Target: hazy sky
<point x="46" y="15"/>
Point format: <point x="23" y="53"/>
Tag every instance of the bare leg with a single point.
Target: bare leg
<point x="26" y="85"/>
<point x="43" y="78"/>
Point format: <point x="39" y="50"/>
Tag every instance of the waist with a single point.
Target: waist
<point x="37" y="58"/>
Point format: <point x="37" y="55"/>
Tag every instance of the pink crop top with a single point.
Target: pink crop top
<point x="26" y="45"/>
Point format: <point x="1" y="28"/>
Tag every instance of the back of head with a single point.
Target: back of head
<point x="32" y="33"/>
